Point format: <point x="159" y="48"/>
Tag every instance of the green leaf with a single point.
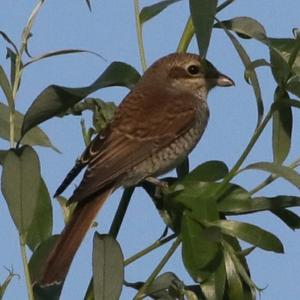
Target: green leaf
<point x="246" y="27"/>
<point x="108" y="267"/>
<point x="291" y="219"/>
<point x="250" y="233"/>
<point x="2" y="156"/>
<point x="55" y="100"/>
<point x="214" y="286"/>
<point x="39" y="256"/>
<point x="36" y="266"/>
<point x="26" y="34"/>
<point x="35" y="136"/>
<point x="280" y="69"/>
<point x="197" y="197"/>
<point x="293" y="85"/>
<point x="151" y="11"/>
<point x="41" y="226"/>
<point x="201" y="251"/>
<point x="282" y="128"/>
<point x="203" y="14"/>
<point x="285" y="102"/>
<point x="13" y="56"/>
<point x="251" y="73"/>
<point x="289" y="51"/>
<point x="20" y="185"/>
<point x="235" y="286"/>
<point x="161" y="287"/>
<point x="285" y="172"/>
<point x="59" y="52"/>
<point x="209" y="171"/>
<point x="8" y="40"/>
<point x="249" y="287"/>
<point x="239" y="201"/>
<point x="6" y="88"/>
<point x="253" y="65"/>
<point x="285" y="60"/>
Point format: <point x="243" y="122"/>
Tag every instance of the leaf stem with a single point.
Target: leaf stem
<point x="141" y="293"/>
<point x="139" y="34"/>
<point x="150" y="248"/>
<point x="25" y="266"/>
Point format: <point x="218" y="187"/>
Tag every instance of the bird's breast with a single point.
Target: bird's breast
<point x="168" y="157"/>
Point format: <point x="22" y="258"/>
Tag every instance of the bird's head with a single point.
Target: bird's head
<point x="186" y="72"/>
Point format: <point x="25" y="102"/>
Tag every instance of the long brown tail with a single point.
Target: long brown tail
<point x="70" y="239"/>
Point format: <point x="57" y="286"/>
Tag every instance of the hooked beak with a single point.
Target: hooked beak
<point x="223" y="80"/>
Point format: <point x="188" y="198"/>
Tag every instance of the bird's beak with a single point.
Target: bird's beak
<point x="223" y="80"/>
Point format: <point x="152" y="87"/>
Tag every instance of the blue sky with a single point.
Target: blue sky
<point x="110" y="31"/>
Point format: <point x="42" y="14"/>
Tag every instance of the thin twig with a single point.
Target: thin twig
<point x="223" y="187"/>
<point x="141" y="293"/>
<point x="150" y="248"/>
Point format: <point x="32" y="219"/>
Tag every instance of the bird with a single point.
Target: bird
<point x="154" y="128"/>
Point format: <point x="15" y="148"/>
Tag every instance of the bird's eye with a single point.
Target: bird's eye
<point x="193" y="69"/>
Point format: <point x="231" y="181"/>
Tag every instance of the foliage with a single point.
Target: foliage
<point x="196" y="205"/>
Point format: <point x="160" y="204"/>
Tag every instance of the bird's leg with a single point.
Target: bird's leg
<point x="159" y="184"/>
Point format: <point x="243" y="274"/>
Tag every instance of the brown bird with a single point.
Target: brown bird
<point x="155" y="127"/>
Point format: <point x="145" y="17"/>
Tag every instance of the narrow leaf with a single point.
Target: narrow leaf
<point x="249" y="287"/>
<point x="252" y="73"/>
<point x="151" y="11"/>
<point x="282" y="128"/>
<point x="234" y="204"/>
<point x="253" y="65"/>
<point x="55" y="100"/>
<point x="285" y="172"/>
<point x="203" y="14"/>
<point x="26" y="34"/>
<point x="34" y="137"/>
<point x="246" y="27"/>
<point x="251" y="234"/>
<point x="12" y="57"/>
<point x="235" y="287"/>
<point x="59" y="52"/>
<point x="291" y="219"/>
<point x="108" y="268"/>
<point x="6" y="88"/>
<point x="20" y="185"/>
<point x="41" y="226"/>
<point x="214" y="286"/>
<point x="8" y="40"/>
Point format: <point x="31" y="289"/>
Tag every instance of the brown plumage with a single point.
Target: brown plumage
<point x="158" y="123"/>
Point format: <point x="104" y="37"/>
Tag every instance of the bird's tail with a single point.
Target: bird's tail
<point x="61" y="256"/>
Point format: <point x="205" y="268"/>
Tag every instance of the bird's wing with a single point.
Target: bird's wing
<point x="144" y="124"/>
